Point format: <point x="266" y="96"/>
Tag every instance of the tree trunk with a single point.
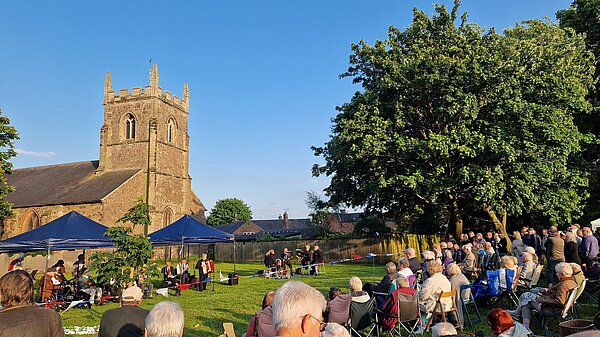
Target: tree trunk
<point x="500" y="226"/>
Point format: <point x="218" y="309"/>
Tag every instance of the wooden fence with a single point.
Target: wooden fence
<point x="332" y="250"/>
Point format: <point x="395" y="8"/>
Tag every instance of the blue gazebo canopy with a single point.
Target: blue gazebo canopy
<point x="188" y="230"/>
<point x="71" y="231"/>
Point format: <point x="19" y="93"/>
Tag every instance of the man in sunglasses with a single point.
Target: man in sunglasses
<point x="298" y="310"/>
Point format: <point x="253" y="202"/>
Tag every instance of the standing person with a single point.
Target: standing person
<point x="128" y="320"/>
<point x="204" y="268"/>
<point x="286" y="260"/>
<point x="298" y="310"/>
<point x="571" y="251"/>
<point x="555" y="253"/>
<point x="306" y="256"/>
<point x="20" y="317"/>
<point x="589" y="247"/>
<point x="166" y="319"/>
<point x="414" y="263"/>
<point x="317" y="259"/>
<point x="78" y="266"/>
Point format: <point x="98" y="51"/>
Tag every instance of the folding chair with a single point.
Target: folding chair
<point x="409" y="315"/>
<point x="548" y="314"/>
<point x="471" y="301"/>
<point x="528" y="284"/>
<point x="228" y="330"/>
<point x="580" y="291"/>
<point x="363" y="316"/>
<point x="438" y="309"/>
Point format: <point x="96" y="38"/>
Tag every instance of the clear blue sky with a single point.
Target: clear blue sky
<point x="263" y="78"/>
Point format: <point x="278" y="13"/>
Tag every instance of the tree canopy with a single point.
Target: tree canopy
<point x="227" y="211"/>
<point x="454" y="121"/>
<point x="583" y="16"/>
<point x="137" y="215"/>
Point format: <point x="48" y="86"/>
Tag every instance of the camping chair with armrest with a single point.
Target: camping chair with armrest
<point x="566" y="313"/>
<point x="438" y="309"/>
<point x="528" y="284"/>
<point x="470" y="301"/>
<point x="580" y="291"/>
<point x="363" y="316"/>
<point x="409" y="315"/>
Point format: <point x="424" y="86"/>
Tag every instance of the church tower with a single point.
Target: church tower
<point x="148" y="129"/>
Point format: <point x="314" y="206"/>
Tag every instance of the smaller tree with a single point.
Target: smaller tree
<point x="122" y="265"/>
<point x="227" y="211"/>
<point x="320" y="214"/>
<point x="138" y="214"/>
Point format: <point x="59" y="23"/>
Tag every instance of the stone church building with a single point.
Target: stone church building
<point x="144" y="153"/>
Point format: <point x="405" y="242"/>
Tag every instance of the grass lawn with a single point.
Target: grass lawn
<point x="237" y="304"/>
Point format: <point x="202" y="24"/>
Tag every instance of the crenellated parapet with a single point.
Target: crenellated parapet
<point x="151" y="90"/>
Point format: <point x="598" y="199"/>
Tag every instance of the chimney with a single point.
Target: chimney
<point x="280" y="217"/>
<point x="343" y="211"/>
<point x="285" y="219"/>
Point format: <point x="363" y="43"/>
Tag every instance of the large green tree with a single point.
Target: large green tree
<point x="457" y="122"/>
<point x="8" y="135"/>
<point x="227" y="211"/>
<point x="583" y="16"/>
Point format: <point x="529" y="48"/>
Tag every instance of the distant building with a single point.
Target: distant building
<point x="283" y="227"/>
<point x="344" y="222"/>
<point x="144" y="151"/>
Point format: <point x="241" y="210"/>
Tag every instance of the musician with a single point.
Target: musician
<point x="204" y="268"/>
<point x="51" y="283"/>
<point x="59" y="267"/>
<point x="183" y="270"/>
<point x="86" y="284"/>
<point x="78" y="266"/>
<point x="306" y="256"/>
<point x="286" y="259"/>
<point x="270" y="261"/>
<point x="317" y="259"/>
<point x="146" y="287"/>
<point x="170" y="276"/>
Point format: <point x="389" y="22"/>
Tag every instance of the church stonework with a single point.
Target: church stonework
<point x="144" y="153"/>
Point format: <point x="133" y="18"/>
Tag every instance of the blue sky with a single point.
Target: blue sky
<point x="263" y="79"/>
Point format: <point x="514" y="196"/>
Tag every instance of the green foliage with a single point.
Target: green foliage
<point x="137" y="215"/>
<point x="320" y="214"/>
<point x="8" y="134"/>
<point x="455" y="119"/>
<point x="266" y="238"/>
<point x="583" y="16"/>
<point x="131" y="253"/>
<point x="227" y="211"/>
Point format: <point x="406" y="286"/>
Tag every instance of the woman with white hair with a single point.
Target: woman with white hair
<point x="531" y="251"/>
<point x="571" y="252"/>
<point x="458" y="279"/>
<point x="335" y="330"/>
<point x="404" y="267"/>
<point x="468" y="263"/>
<point x="443" y="329"/>
<point x="527" y="268"/>
<point x="431" y="289"/>
<point x="356" y="286"/>
<point x="555" y="296"/>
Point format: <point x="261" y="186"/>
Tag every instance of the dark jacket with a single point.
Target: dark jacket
<point x="414" y="264"/>
<point x="166" y="273"/>
<point x="29" y="321"/>
<point x="571" y="253"/>
<point x="127" y="321"/>
<point x="317" y="257"/>
<point x="386" y="281"/>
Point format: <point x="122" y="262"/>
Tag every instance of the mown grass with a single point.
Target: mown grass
<point x="205" y="312"/>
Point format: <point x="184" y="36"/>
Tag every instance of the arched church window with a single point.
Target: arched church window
<point x="167" y="217"/>
<point x="129" y="127"/>
<point x="31" y="220"/>
<point x="170" y="130"/>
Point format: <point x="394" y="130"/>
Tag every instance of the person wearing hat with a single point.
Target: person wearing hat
<point x="128" y="320"/>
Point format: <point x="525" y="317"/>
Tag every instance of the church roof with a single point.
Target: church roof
<point x="64" y="184"/>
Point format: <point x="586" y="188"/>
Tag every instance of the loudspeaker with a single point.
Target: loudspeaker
<point x="233" y="279"/>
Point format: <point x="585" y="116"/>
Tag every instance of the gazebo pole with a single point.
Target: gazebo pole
<point x="234" y="269"/>
<point x="43" y="280"/>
